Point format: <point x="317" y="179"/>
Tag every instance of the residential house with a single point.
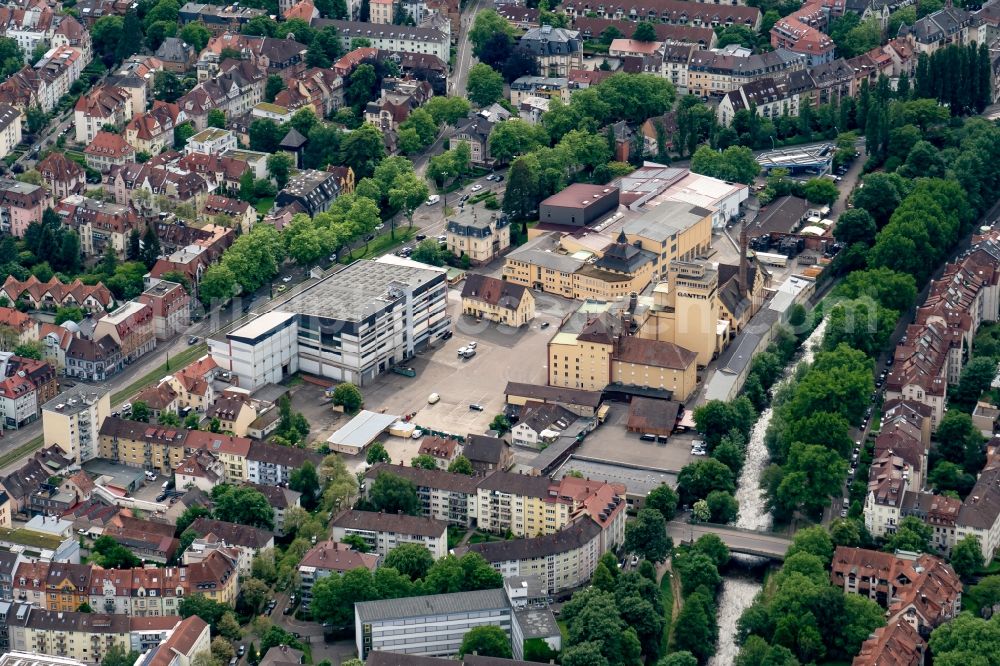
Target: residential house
<point x="803" y="31"/>
<point x="176" y="55"/>
<point x="318" y="88"/>
<point x="410" y="39"/>
<point x="768" y="98"/>
<point x="496" y="300"/>
<point x="487" y="453"/>
<point x="314" y="190"/>
<point x="399" y="97"/>
<point x="235" y="90"/>
<point x="948" y="25"/>
<point x="152" y="131"/>
<point x="107" y="150"/>
<point x="539" y="86"/>
<point x="21" y="327"/>
<point x="445" y="496"/>
<point x="55" y="341"/>
<point x="234" y="412"/>
<point x="62" y="175"/>
<point x="241" y="213"/>
<point x="211" y="141"/>
<point x="99" y="225"/>
<point x="218" y="18"/>
<point x="250" y="541"/>
<point x="54" y="294"/>
<point x="148" y="540"/>
<point x="10" y="129"/>
<point x="131" y="327"/>
<point x="481" y="240"/>
<point x="443" y="450"/>
<point x="557" y="50"/>
<point x="273" y="464"/>
<point x="20" y="205"/>
<point x="101" y="107"/>
<point x="476" y="131"/>
<point x="715" y="73"/>
<point x="281" y="500"/>
<point x="171" y="307"/>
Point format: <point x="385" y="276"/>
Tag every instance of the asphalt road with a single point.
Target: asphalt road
<point x="757" y="542"/>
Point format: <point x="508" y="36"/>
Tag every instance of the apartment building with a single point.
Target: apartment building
<point x="561" y="560"/>
<point x="190" y="637"/>
<point x="557" y="50"/>
<point x="10" y="129"/>
<point x="273" y="464"/>
<point x="532" y="505"/>
<point x="672" y="12"/>
<point x="769" y="98"/>
<point x="86" y="637"/>
<point x="412" y="39"/>
<point x="107" y="150"/>
<point x="544" y="87"/>
<point x="235" y="91"/>
<point x="247" y="541"/>
<point x="142" y="445"/>
<point x="384" y="531"/>
<point x="435" y="624"/>
<point x="72" y="421"/>
<point x="715" y="73"/>
<point x="99" y="224"/>
<point x="481" y="241"/>
<point x="171" y="308"/>
<point x="102" y="106"/>
<point x="921" y="592"/>
<point x="131" y="327"/>
<point x="444" y="496"/>
<point x="20" y="205"/>
<point x="475" y="131"/>
<point x="327" y="558"/>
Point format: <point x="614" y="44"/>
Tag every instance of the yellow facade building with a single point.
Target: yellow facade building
<point x="594" y="350"/>
<point x="497" y="300"/>
<point x="672" y="231"/>
<point x="558" y="266"/>
<point x="481" y="241"/>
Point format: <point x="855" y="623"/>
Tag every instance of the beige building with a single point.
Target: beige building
<point x="593" y="350"/>
<point x="497" y="300"/>
<point x="481" y="241"/>
<point x="685" y="311"/>
<point x="72" y="421"/>
<point x="672" y="230"/>
<point x="552" y="264"/>
<point x="380" y="11"/>
<point x="10" y="129"/>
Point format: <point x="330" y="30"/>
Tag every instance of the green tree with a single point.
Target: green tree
<point x="461" y="465"/>
<point x="723" y="506"/>
<point x="485" y="85"/>
<point x="983" y="596"/>
<point x="305" y="480"/>
<point x="975" y="380"/>
<point x="855" y="226"/>
<point x="140" y="411"/>
<point x="424" y="461"/>
<point x="663" y="498"/>
<point x="447" y="110"/>
<point x="822" y="191"/>
<point x="243" y="505"/>
<point x="348" y="396"/>
<point x="861" y="324"/>
<point x="515" y="137"/>
<point x="960" y="442"/>
<point x="488" y="23"/>
<point x="716" y="418"/>
<point x="736" y="34"/>
<point x="967" y="556"/>
<point x="966" y="641"/>
<point x="31" y="349"/>
<point x="696" y="569"/>
<point x="695" y="629"/>
<point x="167" y="86"/>
<point x="208" y="610"/>
<point x="486" y="641"/>
<point x="644" y="32"/>
<point x="522" y="194"/>
<point x="217" y="284"/>
<point x="393" y="494"/>
<point x="377" y="454"/>
<point x="279" y="166"/>
<point x="105" y="34"/>
<point x="274" y="85"/>
<point x="814" y="541"/>
<point x="646" y="535"/>
<point x="118" y="656"/>
<point x="735" y="163"/>
<point x="911" y="534"/>
<point x="112" y="555"/>
<point x="696" y="480"/>
<point x="362" y="149"/>
<point x="64" y="314"/>
<point x="265" y="135"/>
<point x="410" y="559"/>
<point x="216" y="117"/>
<point x="845" y="532"/>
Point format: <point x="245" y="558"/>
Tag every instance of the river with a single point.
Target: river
<point x="741" y="585"/>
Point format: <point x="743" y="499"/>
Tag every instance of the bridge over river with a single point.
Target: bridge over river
<point x="748" y="542"/>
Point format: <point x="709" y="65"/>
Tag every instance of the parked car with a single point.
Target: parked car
<point x="126" y="408"/>
<point x="193" y="339"/>
<point x="476" y="187"/>
<point x="472" y="345"/>
<point x="433" y="199"/>
<point x="543" y="325"/>
<point x="420" y="237"/>
<point x="476" y="407"/>
<point x="499" y="177"/>
<point x="286" y="279"/>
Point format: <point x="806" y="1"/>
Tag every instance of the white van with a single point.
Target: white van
<point x="150" y="476"/>
<point x="433" y="199"/>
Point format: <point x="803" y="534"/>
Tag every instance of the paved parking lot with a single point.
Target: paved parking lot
<point x="612" y="443"/>
<point x="503" y="354"/>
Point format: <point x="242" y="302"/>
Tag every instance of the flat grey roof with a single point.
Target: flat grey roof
<point x="537" y="623"/>
<point x="362" y="429"/>
<point x="541" y="252"/>
<point x="261" y="325"/>
<point x="638" y="482"/>
<point x="75" y="399"/>
<point x="434" y="604"/>
<point x="666" y="219"/>
<point x="358" y="291"/>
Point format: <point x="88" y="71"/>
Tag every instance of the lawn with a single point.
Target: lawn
<point x="991" y="569"/>
<point x="29" y="538"/>
<point x="263" y="206"/>
<point x="455" y="534"/>
<point x="563" y="630"/>
<point x="381" y="245"/>
<point x="177" y="361"/>
<point x="21" y="452"/>
<point x="483" y="537"/>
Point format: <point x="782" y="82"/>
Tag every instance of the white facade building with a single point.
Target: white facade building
<point x="434" y="625"/>
<point x="265" y="351"/>
<point x="384" y="531"/>
<point x="72" y="421"/>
